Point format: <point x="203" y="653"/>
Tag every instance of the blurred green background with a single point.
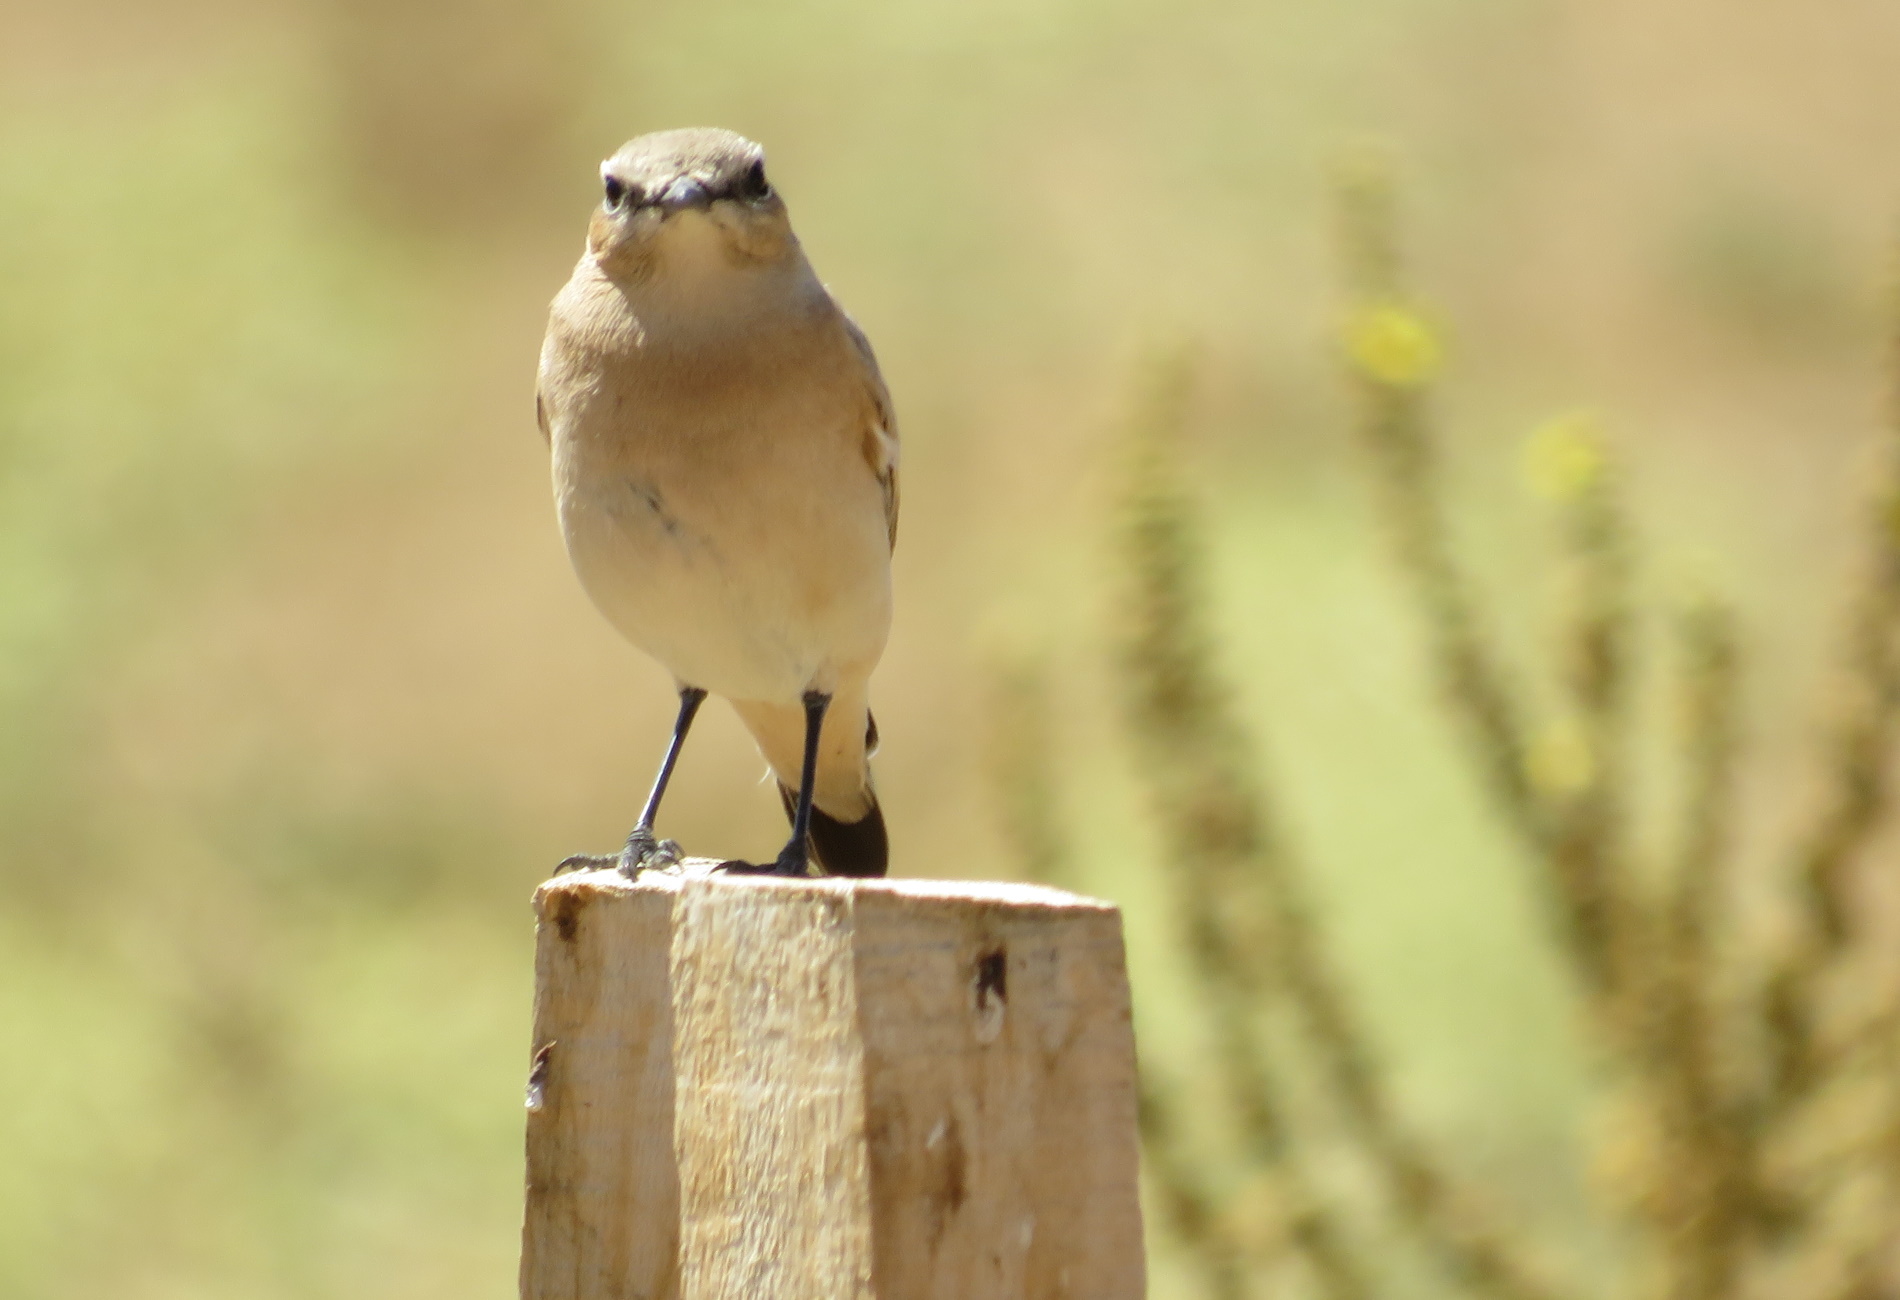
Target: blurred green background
<point x="298" y="699"/>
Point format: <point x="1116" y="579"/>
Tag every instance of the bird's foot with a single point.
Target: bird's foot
<point x="788" y="864"/>
<point x="641" y="853"/>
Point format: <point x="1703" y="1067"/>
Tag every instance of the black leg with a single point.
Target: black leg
<point x="642" y="850"/>
<point x="795" y="858"/>
<point x="691" y="697"/>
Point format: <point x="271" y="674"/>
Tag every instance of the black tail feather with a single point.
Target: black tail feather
<point x="858" y="848"/>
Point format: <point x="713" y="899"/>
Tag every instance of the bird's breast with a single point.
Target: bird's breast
<point x="726" y="522"/>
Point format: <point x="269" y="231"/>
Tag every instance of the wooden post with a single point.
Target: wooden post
<point x="758" y="1089"/>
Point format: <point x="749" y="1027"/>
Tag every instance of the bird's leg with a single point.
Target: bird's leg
<point x="642" y="850"/>
<point x="795" y="858"/>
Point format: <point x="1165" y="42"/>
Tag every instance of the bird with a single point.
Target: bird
<point x="725" y="456"/>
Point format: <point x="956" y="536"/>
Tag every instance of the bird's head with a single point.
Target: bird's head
<point x="684" y="197"/>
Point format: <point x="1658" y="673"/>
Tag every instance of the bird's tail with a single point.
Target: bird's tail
<point x="858" y="848"/>
<point x="847" y="826"/>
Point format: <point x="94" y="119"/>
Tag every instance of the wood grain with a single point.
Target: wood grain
<point x="829" y="1090"/>
<point x="602" y="1214"/>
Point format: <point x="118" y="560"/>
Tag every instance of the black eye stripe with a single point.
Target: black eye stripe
<point x="752" y="184"/>
<point x="749" y="185"/>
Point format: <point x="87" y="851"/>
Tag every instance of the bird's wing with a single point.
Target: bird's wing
<point x="541" y="413"/>
<point x="880" y="437"/>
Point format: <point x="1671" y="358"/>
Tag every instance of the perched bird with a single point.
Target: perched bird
<point x="725" y="472"/>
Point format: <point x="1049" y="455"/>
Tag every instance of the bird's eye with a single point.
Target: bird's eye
<point x="753" y="184"/>
<point x="616" y="190"/>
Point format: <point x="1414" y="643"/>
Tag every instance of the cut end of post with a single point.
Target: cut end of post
<point x="813" y="1089"/>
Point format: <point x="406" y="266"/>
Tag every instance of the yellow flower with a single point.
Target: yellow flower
<point x="1560" y="760"/>
<point x="1564" y="457"/>
<point x="1389" y="343"/>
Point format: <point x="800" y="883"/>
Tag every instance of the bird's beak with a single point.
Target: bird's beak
<point x="682" y="193"/>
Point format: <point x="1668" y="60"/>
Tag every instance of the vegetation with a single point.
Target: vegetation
<point x="1754" y="1151"/>
<point x="299" y="700"/>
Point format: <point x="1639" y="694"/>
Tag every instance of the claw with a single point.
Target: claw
<point x="789" y="868"/>
<point x="586" y="862"/>
<point x="642" y="853"/>
<point x="648" y="855"/>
